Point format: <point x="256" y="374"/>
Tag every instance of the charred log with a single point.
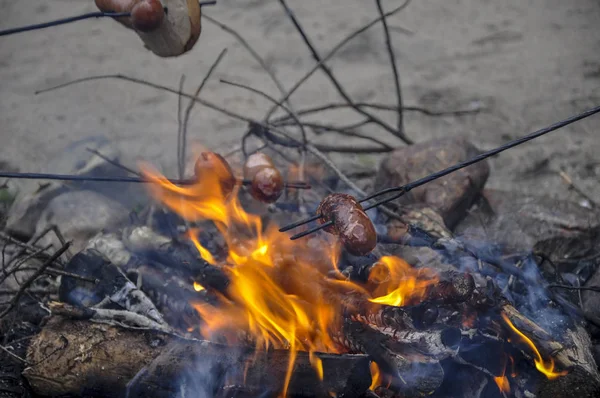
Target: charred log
<point x="84" y="358"/>
<point x="456" y="288"/>
<point x="112" y="284"/>
<point x="411" y="372"/>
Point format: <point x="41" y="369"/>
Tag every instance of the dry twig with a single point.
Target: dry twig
<point x="32" y="278"/>
<point x="333" y="79"/>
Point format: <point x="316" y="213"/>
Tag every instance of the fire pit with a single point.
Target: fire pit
<point x="212" y="287"/>
<point x="196" y="296"/>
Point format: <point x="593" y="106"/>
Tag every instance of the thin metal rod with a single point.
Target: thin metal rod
<point x="63" y="21"/>
<point x="401" y="190"/>
<point x="67" y="177"/>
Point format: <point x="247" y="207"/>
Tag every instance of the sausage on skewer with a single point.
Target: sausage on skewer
<point x="215" y="164"/>
<point x="350" y="223"/>
<point x="267" y="182"/>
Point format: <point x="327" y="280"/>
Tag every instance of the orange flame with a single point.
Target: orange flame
<point x="545" y="368"/>
<point x="281" y="293"/>
<point x="206" y="255"/>
<point x="403" y="285"/>
<point x="376" y="379"/>
<point x="502" y="383"/>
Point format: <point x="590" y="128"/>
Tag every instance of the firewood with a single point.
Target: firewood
<point x="83" y="358"/>
<point x="411" y="373"/>
<point x="573" y="354"/>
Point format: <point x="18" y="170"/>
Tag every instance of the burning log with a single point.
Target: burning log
<point x="574" y="353"/>
<point x="84" y="358"/>
<point x="411" y="373"/>
<point x="437" y="341"/>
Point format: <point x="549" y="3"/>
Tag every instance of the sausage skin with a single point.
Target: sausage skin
<point x="350" y="223"/>
<point x="267" y="182"/>
<point x="215" y="164"/>
<point x="146" y="15"/>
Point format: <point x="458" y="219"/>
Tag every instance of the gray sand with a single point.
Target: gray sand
<point x="529" y="62"/>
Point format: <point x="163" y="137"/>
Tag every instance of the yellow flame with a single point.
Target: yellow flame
<point x="502" y="383"/>
<point x="281" y="293"/>
<point x="198" y="287"/>
<point x="545" y="368"/>
<point x="316" y="363"/>
<point x="399" y="284"/>
<point x="204" y="253"/>
<point x="376" y="379"/>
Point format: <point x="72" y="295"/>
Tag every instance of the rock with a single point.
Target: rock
<point x="423" y="217"/>
<point x="34" y="195"/>
<point x="79" y="216"/>
<point x="564" y="231"/>
<point x="591" y="300"/>
<point x="450" y="196"/>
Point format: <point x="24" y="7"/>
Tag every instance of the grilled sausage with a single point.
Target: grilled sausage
<point x="215" y="164"/>
<point x="168" y="28"/>
<point x="146" y="15"/>
<point x="267" y="182"/>
<point x="350" y="223"/>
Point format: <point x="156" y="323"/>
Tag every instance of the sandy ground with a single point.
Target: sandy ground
<point x="530" y="62"/>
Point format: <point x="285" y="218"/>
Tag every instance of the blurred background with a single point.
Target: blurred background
<point x="527" y="63"/>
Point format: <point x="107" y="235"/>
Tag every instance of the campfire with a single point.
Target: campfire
<point x="267" y="271"/>
<point x="209" y="299"/>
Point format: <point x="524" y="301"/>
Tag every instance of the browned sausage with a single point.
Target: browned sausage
<point x="350" y="223"/>
<point x="267" y="182"/>
<point x="255" y="162"/>
<point x="146" y="15"/>
<point x="213" y="163"/>
<point x="267" y="185"/>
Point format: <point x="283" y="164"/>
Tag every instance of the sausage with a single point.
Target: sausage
<point x="350" y="223"/>
<point x="168" y="28"/>
<point x="254" y="163"/>
<point x="213" y="163"/>
<point x="267" y="182"/>
<point x="267" y="185"/>
<point x="146" y="15"/>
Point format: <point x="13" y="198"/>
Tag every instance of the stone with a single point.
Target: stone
<point x="79" y="216"/>
<point x="451" y="195"/>
<point x="34" y="195"/>
<point x="563" y="231"/>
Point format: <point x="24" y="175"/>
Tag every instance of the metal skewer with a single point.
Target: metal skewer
<point x="401" y="190"/>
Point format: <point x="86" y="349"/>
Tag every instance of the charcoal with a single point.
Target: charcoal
<point x="452" y="195"/>
<point x="111" y="284"/>
<point x="453" y="288"/>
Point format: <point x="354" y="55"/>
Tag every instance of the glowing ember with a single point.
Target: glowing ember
<point x="546" y="368"/>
